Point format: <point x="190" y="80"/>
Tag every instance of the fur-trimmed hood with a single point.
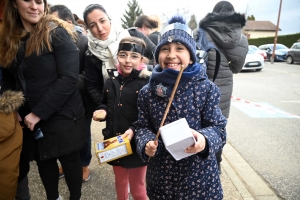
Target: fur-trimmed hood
<point x="10" y="101"/>
<point x="224" y="29"/>
<point x="145" y="73"/>
<point x="228" y="19"/>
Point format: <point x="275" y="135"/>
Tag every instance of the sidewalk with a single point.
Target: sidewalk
<point x="239" y="180"/>
<point x="246" y="181"/>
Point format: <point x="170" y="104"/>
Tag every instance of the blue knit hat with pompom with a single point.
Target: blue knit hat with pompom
<point x="177" y="31"/>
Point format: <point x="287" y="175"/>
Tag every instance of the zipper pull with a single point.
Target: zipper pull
<point x="121" y="87"/>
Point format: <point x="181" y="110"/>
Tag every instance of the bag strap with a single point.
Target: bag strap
<point x="203" y="43"/>
<point x="218" y="62"/>
<point x="203" y="56"/>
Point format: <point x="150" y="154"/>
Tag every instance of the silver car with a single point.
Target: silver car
<point x="293" y="54"/>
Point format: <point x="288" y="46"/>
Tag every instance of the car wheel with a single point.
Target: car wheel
<point x="258" y="70"/>
<point x="289" y="60"/>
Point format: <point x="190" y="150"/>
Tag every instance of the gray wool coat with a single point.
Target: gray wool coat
<point x="225" y="32"/>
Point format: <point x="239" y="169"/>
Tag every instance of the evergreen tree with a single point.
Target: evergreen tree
<point x="131" y="15"/>
<point x="251" y="18"/>
<point x="193" y="23"/>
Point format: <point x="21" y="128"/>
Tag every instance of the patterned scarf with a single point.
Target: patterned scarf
<point x="162" y="81"/>
<point x="106" y="50"/>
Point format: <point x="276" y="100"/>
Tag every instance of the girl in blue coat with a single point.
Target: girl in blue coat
<point x="197" y="100"/>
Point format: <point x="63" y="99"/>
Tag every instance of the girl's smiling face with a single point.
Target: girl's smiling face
<point x="173" y="55"/>
<point x="129" y="60"/>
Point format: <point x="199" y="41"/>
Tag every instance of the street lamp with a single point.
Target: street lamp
<point x="275" y="39"/>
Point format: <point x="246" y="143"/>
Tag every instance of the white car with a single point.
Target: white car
<point x="257" y="50"/>
<point x="253" y="61"/>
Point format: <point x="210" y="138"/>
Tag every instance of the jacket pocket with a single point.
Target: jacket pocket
<point x="106" y="133"/>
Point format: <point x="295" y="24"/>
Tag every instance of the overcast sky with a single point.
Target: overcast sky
<point x="262" y="10"/>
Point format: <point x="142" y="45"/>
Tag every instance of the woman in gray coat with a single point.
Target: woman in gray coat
<point x="223" y="27"/>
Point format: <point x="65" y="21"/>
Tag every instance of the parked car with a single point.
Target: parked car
<point x="293" y="54"/>
<point x="256" y="49"/>
<point x="253" y="61"/>
<point x="280" y="52"/>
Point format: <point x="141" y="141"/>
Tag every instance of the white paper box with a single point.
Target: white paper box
<point x="177" y="136"/>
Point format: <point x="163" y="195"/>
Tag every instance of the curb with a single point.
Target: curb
<point x="242" y="190"/>
<point x="248" y="183"/>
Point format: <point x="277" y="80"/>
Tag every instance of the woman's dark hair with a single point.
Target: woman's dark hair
<point x="146" y="21"/>
<point x="90" y="9"/>
<point x="75" y="17"/>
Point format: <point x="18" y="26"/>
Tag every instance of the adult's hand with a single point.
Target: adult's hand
<point x="31" y="120"/>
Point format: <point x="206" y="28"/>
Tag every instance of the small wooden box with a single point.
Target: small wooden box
<point x="112" y="149"/>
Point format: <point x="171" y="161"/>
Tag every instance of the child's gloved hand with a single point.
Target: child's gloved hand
<point x="129" y="134"/>
<point x="199" y="145"/>
<point x="151" y="148"/>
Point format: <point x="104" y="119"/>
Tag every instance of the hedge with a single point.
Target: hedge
<point x="287" y="40"/>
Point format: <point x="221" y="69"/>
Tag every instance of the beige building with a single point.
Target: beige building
<point x="259" y="29"/>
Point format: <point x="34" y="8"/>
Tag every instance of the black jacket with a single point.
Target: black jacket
<point x="150" y="46"/>
<point x="49" y="83"/>
<point x="155" y="37"/>
<point x="82" y="45"/>
<point x="122" y="111"/>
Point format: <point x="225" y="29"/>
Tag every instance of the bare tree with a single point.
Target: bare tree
<point x="182" y="12"/>
<point x="193" y="23"/>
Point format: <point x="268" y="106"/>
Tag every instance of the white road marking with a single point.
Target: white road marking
<point x="290" y="101"/>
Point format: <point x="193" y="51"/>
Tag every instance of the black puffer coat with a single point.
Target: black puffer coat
<point x="82" y="45"/>
<point x="122" y="111"/>
<point x="225" y="32"/>
<point x="49" y="83"/>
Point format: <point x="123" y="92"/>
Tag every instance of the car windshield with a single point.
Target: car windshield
<point x="255" y="48"/>
<point x="296" y="46"/>
<point x="250" y="51"/>
<point x="278" y="47"/>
